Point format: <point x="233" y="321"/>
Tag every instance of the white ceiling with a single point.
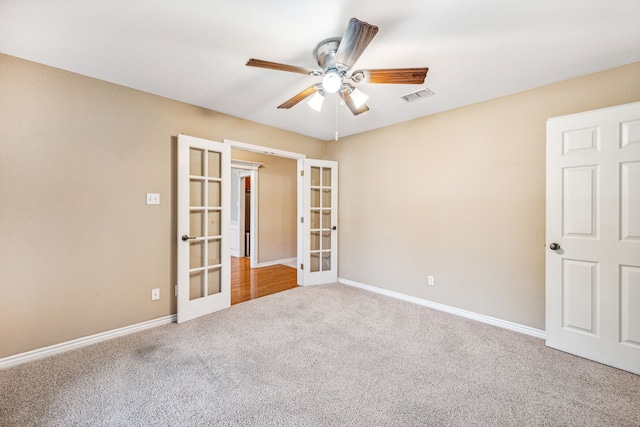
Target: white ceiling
<point x="195" y="50"/>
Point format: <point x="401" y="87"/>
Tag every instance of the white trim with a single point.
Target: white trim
<point x="290" y="262"/>
<point x="246" y="165"/>
<point x="235" y="239"/>
<point x="527" y="330"/>
<point x="263" y="150"/>
<point x="248" y="170"/>
<point x="40" y="353"/>
<point x="300" y="215"/>
<point x="286" y="261"/>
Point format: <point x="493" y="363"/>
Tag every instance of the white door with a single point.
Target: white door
<point x="320" y="222"/>
<point x="593" y="235"/>
<point x="203" y="227"/>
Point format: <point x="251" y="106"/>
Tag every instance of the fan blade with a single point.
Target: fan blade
<point x="355" y="40"/>
<point x="394" y="75"/>
<point x="346" y="97"/>
<point x="280" y="67"/>
<point x="299" y="97"/>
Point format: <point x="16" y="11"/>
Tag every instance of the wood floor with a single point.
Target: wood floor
<point x="249" y="283"/>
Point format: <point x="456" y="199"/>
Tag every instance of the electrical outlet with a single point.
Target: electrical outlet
<point x="153" y="198"/>
<point x="155" y="294"/>
<point x="431" y="281"/>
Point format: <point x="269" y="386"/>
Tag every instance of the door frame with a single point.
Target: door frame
<point x="300" y="191"/>
<point x="251" y="171"/>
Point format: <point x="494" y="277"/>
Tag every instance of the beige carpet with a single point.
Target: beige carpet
<point x="320" y="356"/>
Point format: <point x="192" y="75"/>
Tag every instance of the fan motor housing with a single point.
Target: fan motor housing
<point x="325" y="52"/>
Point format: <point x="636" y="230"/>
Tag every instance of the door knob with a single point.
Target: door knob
<point x="334" y="228"/>
<point x="554" y="246"/>
<point x="185" y="238"/>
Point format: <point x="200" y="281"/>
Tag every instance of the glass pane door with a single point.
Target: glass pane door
<point x="203" y="193"/>
<point x="321" y="229"/>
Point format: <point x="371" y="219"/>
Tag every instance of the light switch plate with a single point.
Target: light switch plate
<point x="153" y="198"/>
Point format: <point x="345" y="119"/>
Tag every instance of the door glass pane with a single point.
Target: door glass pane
<point x="326" y="177"/>
<point x="213" y="223"/>
<point x="196" y="193"/>
<point x="315" y="198"/>
<point x="214" y="164"/>
<point x="196" y="254"/>
<point x="315" y="241"/>
<point x="196" y="162"/>
<point x="213" y="281"/>
<point x="315" y="262"/>
<point x="326" y="197"/>
<point x="196" y="285"/>
<point x="326" y="240"/>
<point x="315" y="176"/>
<point x="326" y="261"/>
<point x="213" y="253"/>
<point x="315" y="219"/>
<point x="326" y="218"/>
<point x="214" y="194"/>
<point x="196" y="223"/>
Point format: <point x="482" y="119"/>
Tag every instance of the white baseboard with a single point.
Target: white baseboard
<point x="40" y="353"/>
<point x="538" y="333"/>
<point x="291" y="262"/>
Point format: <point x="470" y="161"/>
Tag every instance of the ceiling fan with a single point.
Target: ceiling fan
<point x="335" y="57"/>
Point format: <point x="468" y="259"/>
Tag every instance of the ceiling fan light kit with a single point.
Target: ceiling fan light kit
<point x="335" y="56"/>
<point x="332" y="81"/>
<point x="316" y="101"/>
<point x="359" y="98"/>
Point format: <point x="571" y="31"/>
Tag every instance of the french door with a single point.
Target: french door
<point x="320" y="222"/>
<point x="593" y="235"/>
<point x="204" y="170"/>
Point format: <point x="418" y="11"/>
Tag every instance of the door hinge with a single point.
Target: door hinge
<point x="176" y="290"/>
<point x="301" y="220"/>
<point x="301" y="266"/>
<point x="302" y="172"/>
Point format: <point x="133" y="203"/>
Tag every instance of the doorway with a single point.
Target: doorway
<point x="316" y="219"/>
<point x="264" y="198"/>
<point x="244" y="209"/>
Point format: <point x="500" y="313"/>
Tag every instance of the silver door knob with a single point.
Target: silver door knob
<point x="554" y="246"/>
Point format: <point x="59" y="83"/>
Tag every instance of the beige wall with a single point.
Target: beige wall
<point x="461" y="195"/>
<point x="277" y="205"/>
<point x="458" y="195"/>
<point x="80" y="250"/>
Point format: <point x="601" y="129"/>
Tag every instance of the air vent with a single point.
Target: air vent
<point x="414" y="96"/>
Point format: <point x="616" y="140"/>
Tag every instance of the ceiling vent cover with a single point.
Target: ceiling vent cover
<point x="414" y="96"/>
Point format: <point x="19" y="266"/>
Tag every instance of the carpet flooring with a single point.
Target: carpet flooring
<point x="327" y="355"/>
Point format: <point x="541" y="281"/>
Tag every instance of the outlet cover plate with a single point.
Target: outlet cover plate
<point x="153" y="198"/>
